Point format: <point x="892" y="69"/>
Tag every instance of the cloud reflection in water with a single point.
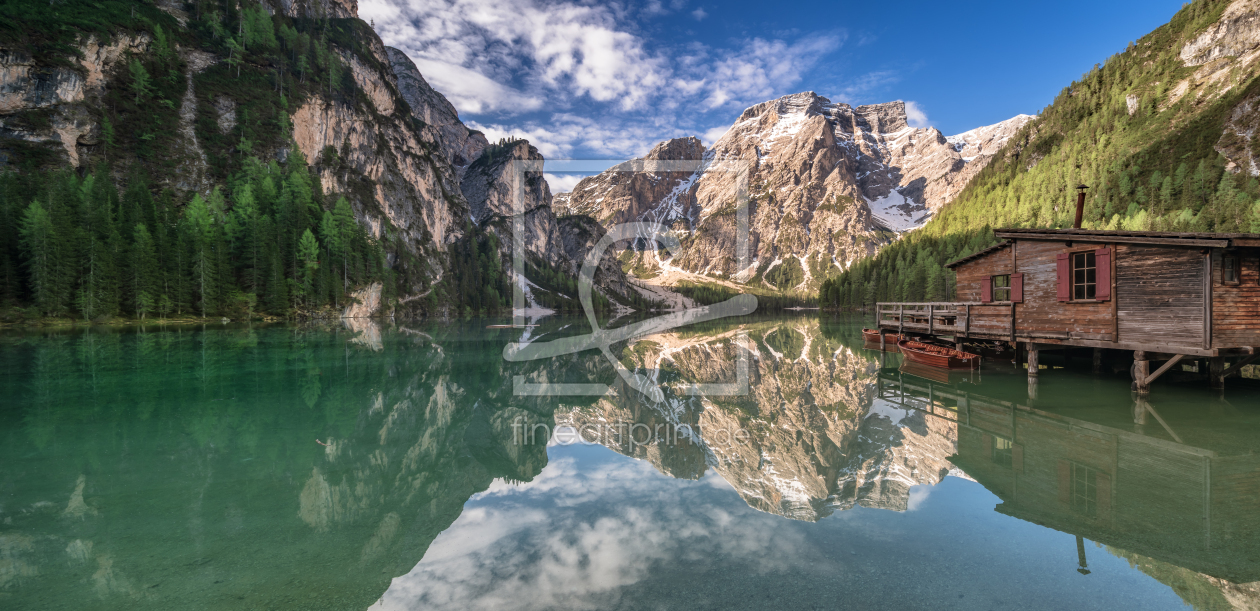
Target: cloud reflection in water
<point x="584" y="529"/>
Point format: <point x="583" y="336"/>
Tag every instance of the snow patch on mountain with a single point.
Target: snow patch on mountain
<point x="898" y="212"/>
<point x="988" y="139"/>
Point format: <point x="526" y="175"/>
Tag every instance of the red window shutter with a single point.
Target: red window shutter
<point x="1102" y="481"/>
<point x="1017" y="457"/>
<point x="986" y="290"/>
<point x="1065" y="482"/>
<point x="1102" y="259"/>
<point x="1017" y="288"/>
<point x="1065" y="278"/>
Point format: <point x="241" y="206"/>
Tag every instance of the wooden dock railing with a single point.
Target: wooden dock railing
<point x="960" y="318"/>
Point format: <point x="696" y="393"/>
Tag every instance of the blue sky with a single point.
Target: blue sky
<point x="608" y="80"/>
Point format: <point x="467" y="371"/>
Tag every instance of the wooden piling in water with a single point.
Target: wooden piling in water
<point x="1216" y="372"/>
<point x="1141" y="371"/>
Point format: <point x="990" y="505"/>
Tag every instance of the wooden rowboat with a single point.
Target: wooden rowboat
<point x="872" y="335"/>
<point x="938" y="356"/>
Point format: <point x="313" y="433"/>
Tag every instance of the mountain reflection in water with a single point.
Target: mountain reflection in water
<point x="181" y="468"/>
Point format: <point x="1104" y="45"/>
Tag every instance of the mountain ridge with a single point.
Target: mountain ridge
<point x="829" y="184"/>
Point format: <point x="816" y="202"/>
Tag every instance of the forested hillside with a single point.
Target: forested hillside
<point x="1162" y="133"/>
<point x="119" y="236"/>
<point x="204" y="159"/>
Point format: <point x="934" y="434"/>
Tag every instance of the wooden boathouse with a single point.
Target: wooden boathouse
<point x="1164" y="296"/>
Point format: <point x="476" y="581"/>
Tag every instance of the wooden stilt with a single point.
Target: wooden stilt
<point x="1032" y="388"/>
<point x="1216" y="372"/>
<point x="1034" y="360"/>
<point x="1141" y="371"/>
<point x="1098" y="353"/>
<point x="883" y="341"/>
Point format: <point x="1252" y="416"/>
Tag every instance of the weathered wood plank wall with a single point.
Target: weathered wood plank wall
<point x="1042" y="312"/>
<point x="1160" y="294"/>
<point x="1236" y="308"/>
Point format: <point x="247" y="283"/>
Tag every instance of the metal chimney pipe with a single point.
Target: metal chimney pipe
<point x="1080" y="206"/>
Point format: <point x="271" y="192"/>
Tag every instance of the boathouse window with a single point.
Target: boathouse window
<point x="1084" y="275"/>
<point x="1001" y="288"/>
<point x="1002" y="454"/>
<point x="1084" y="490"/>
<point x="1230" y="270"/>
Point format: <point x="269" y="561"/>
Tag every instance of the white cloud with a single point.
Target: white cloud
<point x="609" y="90"/>
<point x="566" y="47"/>
<point x="470" y="91"/>
<point x="915" y="116"/>
<point x="918" y="494"/>
<point x="563" y="183"/>
<point x="711" y="135"/>
<point x="561" y="134"/>
<point x="763" y="68"/>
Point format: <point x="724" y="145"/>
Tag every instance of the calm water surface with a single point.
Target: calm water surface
<point x="393" y="467"/>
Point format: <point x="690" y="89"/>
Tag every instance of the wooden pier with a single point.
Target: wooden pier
<point x="1166" y="297"/>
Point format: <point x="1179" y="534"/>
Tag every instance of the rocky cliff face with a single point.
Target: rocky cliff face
<point x="829" y="184"/>
<point x="460" y="145"/>
<point x="488" y="184"/>
<point x="1227" y="53"/>
<point x="390" y="144"/>
<point x="383" y="159"/>
<point x="319" y="9"/>
<point x="63" y="91"/>
<point x="817" y="439"/>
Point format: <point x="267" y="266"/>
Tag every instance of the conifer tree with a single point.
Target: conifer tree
<point x="144" y="270"/>
<point x="308" y="255"/>
<point x="140" y="81"/>
<point x="199" y="226"/>
<point x="39" y="243"/>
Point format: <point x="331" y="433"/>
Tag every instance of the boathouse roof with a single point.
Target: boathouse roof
<point x="976" y="255"/>
<point x="1165" y="238"/>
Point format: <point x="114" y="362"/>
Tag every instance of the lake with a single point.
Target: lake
<point x="753" y="463"/>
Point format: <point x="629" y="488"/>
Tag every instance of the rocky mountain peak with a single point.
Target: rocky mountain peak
<point x="441" y="120"/>
<point x="624" y="193"/>
<point x="487" y="183"/>
<point x="886" y="118"/>
<point x="987" y="140"/>
<point x="687" y="147"/>
<point x="804" y="102"/>
<point x="830" y="183"/>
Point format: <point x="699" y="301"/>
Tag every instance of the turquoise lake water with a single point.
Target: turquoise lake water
<point x="399" y="466"/>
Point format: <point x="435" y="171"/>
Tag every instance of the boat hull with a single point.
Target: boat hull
<point x="871" y="336"/>
<point x="938" y="356"/>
